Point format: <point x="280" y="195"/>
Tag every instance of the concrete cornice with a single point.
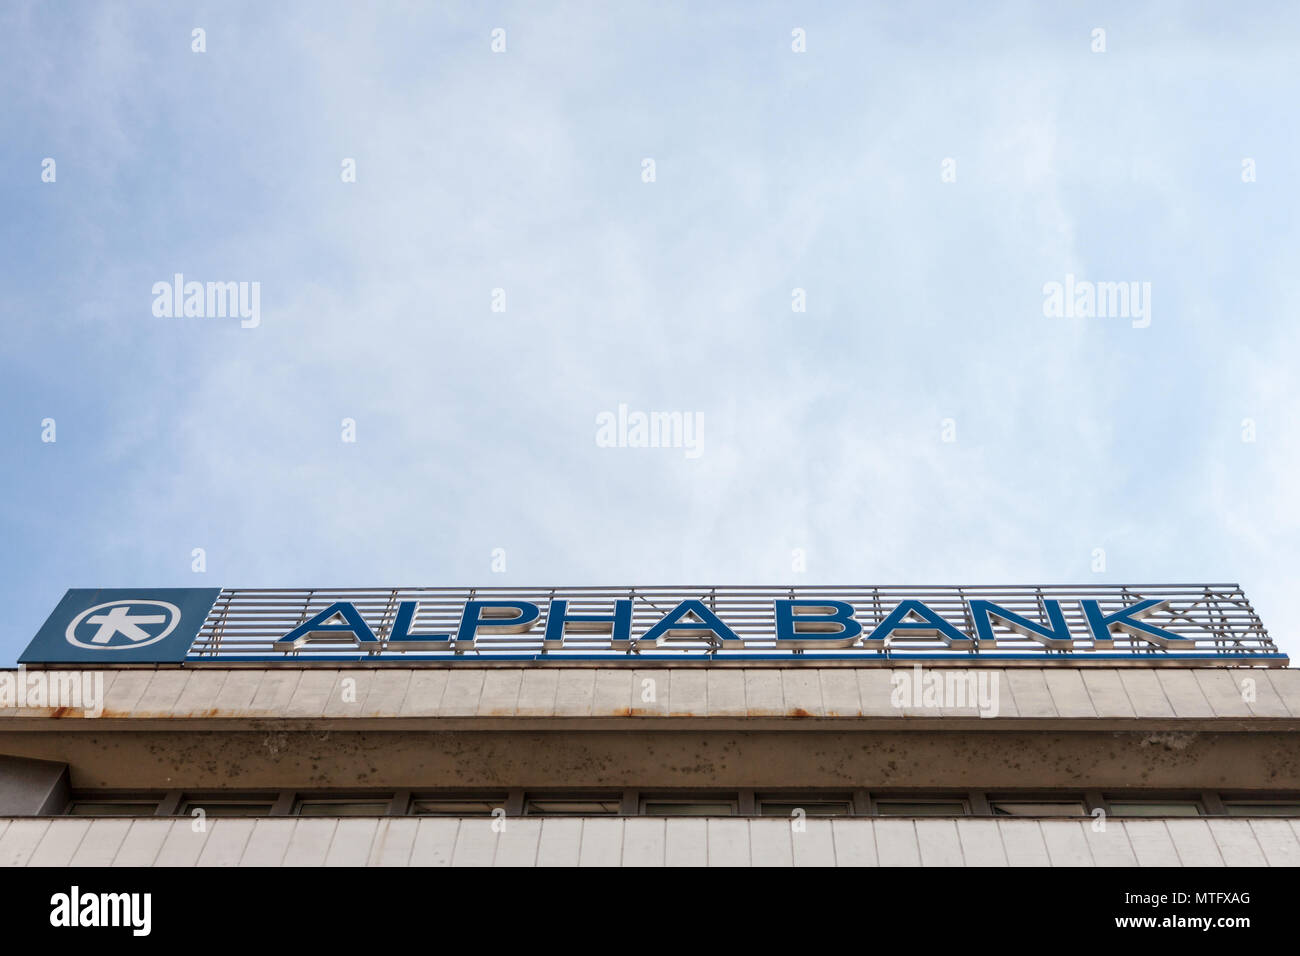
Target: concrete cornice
<point x="596" y="698"/>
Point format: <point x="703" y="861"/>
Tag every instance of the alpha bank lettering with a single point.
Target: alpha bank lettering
<point x="811" y="624"/>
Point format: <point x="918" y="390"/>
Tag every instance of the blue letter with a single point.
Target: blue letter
<point x="1104" y="626"/>
<point x="400" y="637"/>
<point x="559" y="622"/>
<point x="304" y="632"/>
<point x="929" y="625"/>
<point x="672" y="627"/>
<point x="832" y="622"/>
<point x="495" y="617"/>
<point x="1058" y="635"/>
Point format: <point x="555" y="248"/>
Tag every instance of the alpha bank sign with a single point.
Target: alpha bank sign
<point x="1213" y="623"/>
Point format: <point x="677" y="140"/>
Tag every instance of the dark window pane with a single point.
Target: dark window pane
<point x="919" y="808"/>
<point x="1037" y="808"/>
<point x="454" y="808"/>
<point x="342" y="808"/>
<point x="97" y="808"/>
<point x="221" y="809"/>
<point x="1155" y="808"/>
<point x="574" y="808"/>
<point x="1263" y="809"/>
<point x="811" y="808"/>
<point x="661" y="808"/>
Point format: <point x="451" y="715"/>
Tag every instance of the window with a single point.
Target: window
<point x="228" y="805"/>
<point x="1242" y="808"/>
<point x="560" y="806"/>
<point x="1155" y="808"/>
<point x="1038" y="808"/>
<point x="342" y="807"/>
<point x="456" y="806"/>
<point x="702" y="806"/>
<point x="113" y="807"/>
<point x="681" y="808"/>
<point x="921" y="808"/>
<point x="822" y="805"/>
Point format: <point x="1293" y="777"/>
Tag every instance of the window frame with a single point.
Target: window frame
<point x="731" y="798"/>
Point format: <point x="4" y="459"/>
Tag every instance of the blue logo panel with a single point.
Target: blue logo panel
<point x="121" y="625"/>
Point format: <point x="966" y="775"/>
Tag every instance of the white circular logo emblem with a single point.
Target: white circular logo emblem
<point x="120" y="624"/>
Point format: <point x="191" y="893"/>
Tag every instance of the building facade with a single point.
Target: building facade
<point x="1011" y="726"/>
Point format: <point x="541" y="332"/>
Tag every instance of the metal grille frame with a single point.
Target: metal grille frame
<point x="1218" y="620"/>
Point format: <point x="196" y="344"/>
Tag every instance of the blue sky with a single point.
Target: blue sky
<point x="521" y="170"/>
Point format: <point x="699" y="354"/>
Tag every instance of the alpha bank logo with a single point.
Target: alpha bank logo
<point x="118" y="624"/>
<point x="121" y="626"/>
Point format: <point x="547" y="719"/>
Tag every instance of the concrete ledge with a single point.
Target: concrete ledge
<point x="1045" y="693"/>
